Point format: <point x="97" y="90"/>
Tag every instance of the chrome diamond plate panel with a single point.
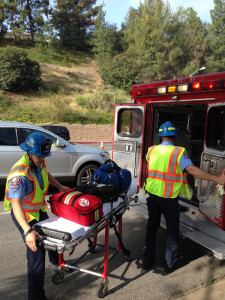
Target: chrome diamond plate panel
<point x="196" y="227"/>
<point x="126" y="160"/>
<point x="211" y="202"/>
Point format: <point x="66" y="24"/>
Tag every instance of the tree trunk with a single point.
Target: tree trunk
<point x="31" y="22"/>
<point x="11" y="25"/>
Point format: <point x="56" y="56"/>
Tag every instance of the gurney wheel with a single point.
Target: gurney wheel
<point x="91" y="246"/>
<point x="93" y="249"/>
<point x="102" y="291"/>
<point x="58" y="277"/>
<point x="127" y="256"/>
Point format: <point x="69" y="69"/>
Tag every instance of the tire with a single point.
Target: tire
<point x="58" y="277"/>
<point x="84" y="174"/>
<point x="102" y="291"/>
<point x="93" y="250"/>
<point x="91" y="246"/>
<point x="127" y="257"/>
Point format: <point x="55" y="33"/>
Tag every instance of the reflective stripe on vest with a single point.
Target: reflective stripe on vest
<point x="172" y="176"/>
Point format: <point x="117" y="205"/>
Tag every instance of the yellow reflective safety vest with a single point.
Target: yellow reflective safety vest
<point x="165" y="177"/>
<point x="34" y="201"/>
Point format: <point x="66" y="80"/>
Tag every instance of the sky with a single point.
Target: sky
<point x="116" y="10"/>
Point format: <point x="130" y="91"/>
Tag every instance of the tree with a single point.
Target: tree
<point x="74" y="21"/>
<point x="190" y="36"/>
<point x="148" y="40"/>
<point x="32" y="12"/>
<point x="12" y="12"/>
<point x="106" y="39"/>
<point x="119" y="71"/>
<point x="18" y="72"/>
<point x="216" y="60"/>
<point x="164" y="45"/>
<point x="3" y="17"/>
<point x="24" y="16"/>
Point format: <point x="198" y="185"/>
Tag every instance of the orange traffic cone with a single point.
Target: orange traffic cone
<point x="102" y="146"/>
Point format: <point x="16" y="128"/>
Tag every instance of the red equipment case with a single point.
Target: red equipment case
<point x="78" y="207"/>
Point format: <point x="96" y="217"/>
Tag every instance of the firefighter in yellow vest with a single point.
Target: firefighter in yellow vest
<point x="168" y="166"/>
<point x="26" y="187"/>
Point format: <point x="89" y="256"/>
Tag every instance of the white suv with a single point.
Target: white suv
<point x="68" y="162"/>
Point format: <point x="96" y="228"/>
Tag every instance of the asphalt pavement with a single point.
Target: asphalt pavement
<point x="127" y="280"/>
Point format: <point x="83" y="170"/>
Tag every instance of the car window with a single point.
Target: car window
<point x="25" y="132"/>
<point x="8" y="137"/>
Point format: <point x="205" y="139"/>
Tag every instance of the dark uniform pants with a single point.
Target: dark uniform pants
<point x="169" y="207"/>
<point x="36" y="263"/>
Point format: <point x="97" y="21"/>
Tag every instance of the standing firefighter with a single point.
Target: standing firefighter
<point x="167" y="179"/>
<point x="26" y="187"/>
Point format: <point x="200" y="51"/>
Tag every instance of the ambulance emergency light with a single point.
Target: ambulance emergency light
<point x="180" y="88"/>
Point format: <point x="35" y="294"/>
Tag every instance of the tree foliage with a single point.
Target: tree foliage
<point x="17" y="72"/>
<point x="153" y="43"/>
<point x="25" y="16"/>
<point x="216" y="60"/>
<point x="157" y="45"/>
<point x="3" y="17"/>
<point x="106" y="38"/>
<point x="120" y="71"/>
<point x="74" y="21"/>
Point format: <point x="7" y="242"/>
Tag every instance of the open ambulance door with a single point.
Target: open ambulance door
<point x="128" y="142"/>
<point x="211" y="198"/>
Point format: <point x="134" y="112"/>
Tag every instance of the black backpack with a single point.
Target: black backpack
<point x="106" y="192"/>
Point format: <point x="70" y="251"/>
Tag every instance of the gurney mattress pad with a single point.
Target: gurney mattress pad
<point x="65" y="230"/>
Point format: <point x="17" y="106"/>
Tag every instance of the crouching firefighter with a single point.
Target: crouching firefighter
<point x="168" y="166"/>
<point x="26" y="187"/>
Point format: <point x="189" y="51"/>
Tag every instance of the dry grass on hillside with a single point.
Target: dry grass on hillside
<point x="58" y="97"/>
<point x="80" y="79"/>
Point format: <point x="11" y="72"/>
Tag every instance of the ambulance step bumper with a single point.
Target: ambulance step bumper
<point x="217" y="247"/>
<point x="195" y="226"/>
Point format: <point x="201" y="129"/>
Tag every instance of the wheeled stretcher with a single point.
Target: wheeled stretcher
<point x="63" y="235"/>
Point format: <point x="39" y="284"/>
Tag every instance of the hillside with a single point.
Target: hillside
<point x="71" y="90"/>
<point x="87" y="80"/>
<point x="83" y="79"/>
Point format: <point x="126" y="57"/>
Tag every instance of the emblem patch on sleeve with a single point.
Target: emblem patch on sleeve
<point x="15" y="182"/>
<point x="185" y="155"/>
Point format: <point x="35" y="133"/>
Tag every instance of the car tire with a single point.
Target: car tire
<point x="84" y="174"/>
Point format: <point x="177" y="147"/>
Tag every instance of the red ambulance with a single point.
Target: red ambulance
<point x="196" y="106"/>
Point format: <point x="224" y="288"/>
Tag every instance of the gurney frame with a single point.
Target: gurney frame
<point x="108" y="221"/>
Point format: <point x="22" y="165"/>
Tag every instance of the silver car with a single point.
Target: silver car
<point x="68" y="162"/>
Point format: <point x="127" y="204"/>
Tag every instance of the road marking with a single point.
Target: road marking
<point x="5" y="213"/>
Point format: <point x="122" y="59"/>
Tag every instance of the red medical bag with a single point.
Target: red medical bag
<point x="78" y="207"/>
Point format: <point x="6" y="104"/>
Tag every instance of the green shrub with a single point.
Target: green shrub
<point x="81" y="100"/>
<point x="4" y="104"/>
<point x="120" y="72"/>
<point x="105" y="100"/>
<point x="17" y="72"/>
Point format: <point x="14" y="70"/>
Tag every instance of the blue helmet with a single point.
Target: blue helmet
<point x="37" y="144"/>
<point x="167" y="129"/>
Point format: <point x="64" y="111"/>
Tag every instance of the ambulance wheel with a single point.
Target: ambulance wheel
<point x="102" y="291"/>
<point x="84" y="174"/>
<point x="58" y="277"/>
